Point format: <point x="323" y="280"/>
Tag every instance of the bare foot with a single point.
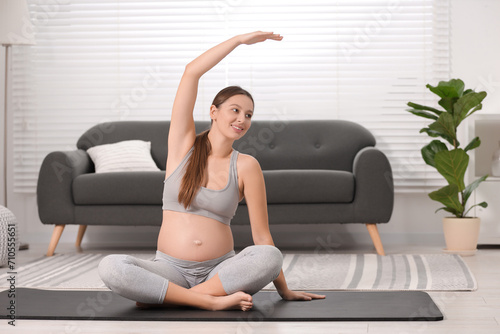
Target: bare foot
<point x="236" y="301"/>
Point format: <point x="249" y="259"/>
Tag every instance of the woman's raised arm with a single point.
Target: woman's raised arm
<point x="182" y="132"/>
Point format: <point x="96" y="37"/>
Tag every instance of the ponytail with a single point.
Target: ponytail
<point x="195" y="169"/>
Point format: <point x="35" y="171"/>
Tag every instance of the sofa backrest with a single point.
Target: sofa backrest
<point x="305" y="144"/>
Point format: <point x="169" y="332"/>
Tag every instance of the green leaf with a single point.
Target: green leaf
<point x="452" y="88"/>
<point x="421" y="107"/>
<point x="448" y="196"/>
<point x="470" y="188"/>
<point x="434" y="134"/>
<point x="422" y="114"/>
<point x="430" y="150"/>
<point x="478" y="107"/>
<point x="430" y="132"/>
<point x="482" y="204"/>
<point x="445" y="127"/>
<point x="453" y="211"/>
<point x="453" y="165"/>
<point x="449" y="92"/>
<point x="473" y="144"/>
<point x="447" y="103"/>
<point x="465" y="104"/>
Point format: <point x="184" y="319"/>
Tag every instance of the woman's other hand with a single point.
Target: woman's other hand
<point x="299" y="295"/>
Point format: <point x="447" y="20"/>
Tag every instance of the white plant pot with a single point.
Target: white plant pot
<point x="461" y="235"/>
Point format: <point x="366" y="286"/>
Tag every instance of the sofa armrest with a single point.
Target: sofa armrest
<point x="374" y="192"/>
<point x="54" y="189"/>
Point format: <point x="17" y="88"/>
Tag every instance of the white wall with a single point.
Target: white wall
<point x="475" y="58"/>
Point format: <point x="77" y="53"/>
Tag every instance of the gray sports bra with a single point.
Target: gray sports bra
<point x="220" y="204"/>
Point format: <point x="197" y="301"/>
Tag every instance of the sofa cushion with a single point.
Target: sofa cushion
<point x="308" y="186"/>
<point x="282" y="186"/>
<point x="119" y="188"/>
<point x="124" y="156"/>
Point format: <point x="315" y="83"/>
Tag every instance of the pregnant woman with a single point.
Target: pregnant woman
<point x="195" y="264"/>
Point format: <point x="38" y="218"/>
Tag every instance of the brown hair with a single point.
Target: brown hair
<point x="197" y="162"/>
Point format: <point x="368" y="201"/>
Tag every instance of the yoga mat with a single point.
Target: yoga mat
<point x="268" y="306"/>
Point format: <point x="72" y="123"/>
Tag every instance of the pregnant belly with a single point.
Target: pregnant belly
<point x="193" y="238"/>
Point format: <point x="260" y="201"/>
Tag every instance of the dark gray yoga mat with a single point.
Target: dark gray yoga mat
<point x="268" y="306"/>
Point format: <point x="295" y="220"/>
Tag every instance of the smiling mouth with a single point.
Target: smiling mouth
<point x="237" y="128"/>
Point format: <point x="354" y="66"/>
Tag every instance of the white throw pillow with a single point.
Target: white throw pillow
<point x="125" y="156"/>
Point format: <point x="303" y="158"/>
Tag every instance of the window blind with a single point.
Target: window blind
<point x="103" y="60"/>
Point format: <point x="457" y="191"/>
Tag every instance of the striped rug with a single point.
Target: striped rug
<point x="429" y="272"/>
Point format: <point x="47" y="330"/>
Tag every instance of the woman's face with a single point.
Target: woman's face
<point x="233" y="117"/>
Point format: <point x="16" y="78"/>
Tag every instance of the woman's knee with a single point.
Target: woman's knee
<point x="111" y="270"/>
<point x="270" y="256"/>
<point x="276" y="260"/>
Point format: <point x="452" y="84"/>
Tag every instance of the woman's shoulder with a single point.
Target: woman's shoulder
<point x="247" y="164"/>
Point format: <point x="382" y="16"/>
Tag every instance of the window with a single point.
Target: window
<point x="104" y="60"/>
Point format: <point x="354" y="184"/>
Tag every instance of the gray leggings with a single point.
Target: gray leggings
<point x="147" y="281"/>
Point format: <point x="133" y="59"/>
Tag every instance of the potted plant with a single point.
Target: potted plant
<point x="451" y="160"/>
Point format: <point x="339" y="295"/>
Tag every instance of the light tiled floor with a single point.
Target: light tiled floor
<point x="465" y="312"/>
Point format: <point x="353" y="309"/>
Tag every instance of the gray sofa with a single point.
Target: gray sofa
<point x="316" y="172"/>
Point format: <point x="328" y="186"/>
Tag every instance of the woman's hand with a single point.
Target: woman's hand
<point x="298" y="295"/>
<point x="258" y="36"/>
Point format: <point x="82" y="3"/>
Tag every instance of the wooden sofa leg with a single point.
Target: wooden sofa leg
<point x="373" y="230"/>
<point x="81" y="233"/>
<point x="56" y="235"/>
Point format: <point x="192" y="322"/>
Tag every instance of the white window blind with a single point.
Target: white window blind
<point x="104" y="60"/>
